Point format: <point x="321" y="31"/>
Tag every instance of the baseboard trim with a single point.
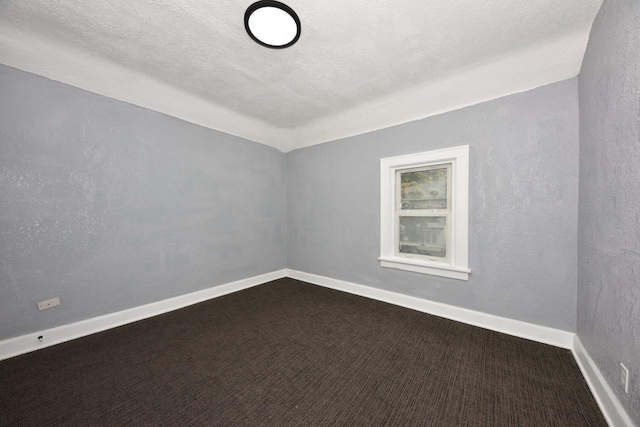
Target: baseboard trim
<point x="608" y="402"/>
<point x="29" y="342"/>
<point x="530" y="331"/>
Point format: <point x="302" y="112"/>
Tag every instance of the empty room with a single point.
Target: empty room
<point x="265" y="213"/>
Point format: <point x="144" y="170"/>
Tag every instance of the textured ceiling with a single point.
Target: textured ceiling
<point x="358" y="66"/>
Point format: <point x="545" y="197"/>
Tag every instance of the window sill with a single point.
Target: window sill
<point x="432" y="268"/>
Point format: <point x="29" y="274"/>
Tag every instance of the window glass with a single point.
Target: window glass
<point x="423" y="189"/>
<point x="423" y="236"/>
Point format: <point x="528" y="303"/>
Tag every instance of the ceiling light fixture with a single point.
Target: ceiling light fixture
<point x="272" y="24"/>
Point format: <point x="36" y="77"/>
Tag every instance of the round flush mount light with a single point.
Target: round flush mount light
<point x="272" y="24"/>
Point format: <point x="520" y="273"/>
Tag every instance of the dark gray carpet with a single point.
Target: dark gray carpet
<point x="293" y="354"/>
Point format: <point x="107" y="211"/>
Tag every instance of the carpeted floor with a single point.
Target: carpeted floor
<point x="293" y="354"/>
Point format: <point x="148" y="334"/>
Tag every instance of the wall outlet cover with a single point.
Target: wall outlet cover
<point x="48" y="303"/>
<point x="624" y="378"/>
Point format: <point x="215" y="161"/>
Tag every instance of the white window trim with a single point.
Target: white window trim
<point x="457" y="264"/>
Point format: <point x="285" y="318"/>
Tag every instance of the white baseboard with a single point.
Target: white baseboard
<point x="609" y="404"/>
<point x="607" y="400"/>
<point x="29" y="342"/>
<point x="604" y="395"/>
<point x="530" y="331"/>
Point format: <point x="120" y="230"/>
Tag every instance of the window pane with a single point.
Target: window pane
<point x="423" y="236"/>
<point x="425" y="189"/>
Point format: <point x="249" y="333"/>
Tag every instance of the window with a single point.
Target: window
<point x="424" y="217"/>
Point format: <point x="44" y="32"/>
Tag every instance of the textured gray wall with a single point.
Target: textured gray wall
<point x="523" y="206"/>
<point x="110" y="206"/>
<point x="609" y="221"/>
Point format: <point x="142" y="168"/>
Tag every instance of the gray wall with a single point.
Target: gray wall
<point x="523" y="206"/>
<point x="609" y="215"/>
<point x="110" y="206"/>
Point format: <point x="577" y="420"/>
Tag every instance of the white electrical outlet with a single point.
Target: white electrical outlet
<point x="48" y="303"/>
<point x="624" y="378"/>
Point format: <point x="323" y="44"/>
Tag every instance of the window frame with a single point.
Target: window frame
<point x="455" y="265"/>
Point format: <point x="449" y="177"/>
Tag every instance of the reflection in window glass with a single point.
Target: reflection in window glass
<point x="423" y="236"/>
<point x="424" y="189"/>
